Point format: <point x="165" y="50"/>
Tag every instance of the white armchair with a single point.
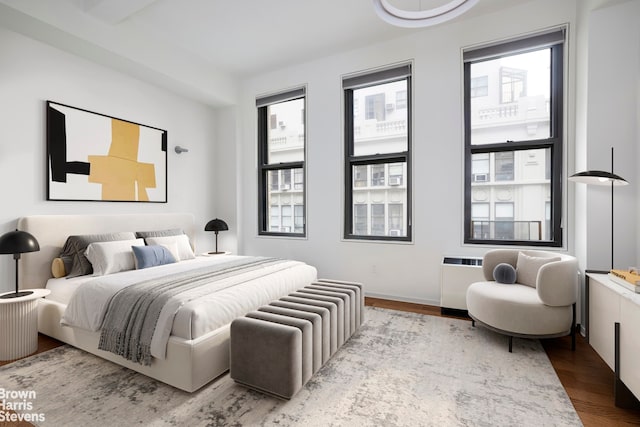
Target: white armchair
<point x="542" y="302"/>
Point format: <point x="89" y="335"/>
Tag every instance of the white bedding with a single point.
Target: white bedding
<point x="87" y="297"/>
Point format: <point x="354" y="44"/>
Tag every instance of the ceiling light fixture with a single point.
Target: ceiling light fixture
<point x="421" y="18"/>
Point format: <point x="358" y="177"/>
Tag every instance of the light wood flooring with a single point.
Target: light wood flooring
<point x="584" y="375"/>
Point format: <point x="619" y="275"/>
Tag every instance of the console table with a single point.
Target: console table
<point x="612" y="330"/>
<point x="19" y="325"/>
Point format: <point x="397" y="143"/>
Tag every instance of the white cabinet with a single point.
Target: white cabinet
<point x="604" y="312"/>
<point x="629" y="345"/>
<point x="611" y="304"/>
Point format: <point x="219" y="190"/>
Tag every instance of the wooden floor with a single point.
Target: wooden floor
<point x="584" y="375"/>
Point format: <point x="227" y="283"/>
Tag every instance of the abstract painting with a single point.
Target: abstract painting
<point x="94" y="157"/>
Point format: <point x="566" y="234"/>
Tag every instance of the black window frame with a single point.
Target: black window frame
<point x="555" y="40"/>
<point x="349" y="84"/>
<point x="262" y="104"/>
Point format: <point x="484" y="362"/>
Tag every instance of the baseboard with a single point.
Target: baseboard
<point x="435" y="303"/>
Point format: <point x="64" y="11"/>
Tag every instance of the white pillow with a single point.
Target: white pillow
<point x="527" y="268"/>
<point x="112" y="257"/>
<point x="184" y="250"/>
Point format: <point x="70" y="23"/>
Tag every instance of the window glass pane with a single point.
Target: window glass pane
<point x="383" y="127"/>
<point x="284" y="201"/>
<point x="386" y="200"/>
<point x="516" y="104"/>
<point x="286" y="132"/>
<point x="522" y="206"/>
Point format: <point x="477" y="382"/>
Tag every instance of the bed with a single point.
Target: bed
<point x="197" y="350"/>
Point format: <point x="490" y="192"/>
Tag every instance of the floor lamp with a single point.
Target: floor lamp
<point x="595" y="177"/>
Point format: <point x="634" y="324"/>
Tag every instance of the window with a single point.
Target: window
<point x="479" y="86"/>
<point x="281" y="163"/>
<point x="504" y="165"/>
<point x="360" y="176"/>
<point x="504" y="226"/>
<point x="377" y="219"/>
<point x="374" y="107"/>
<point x="377" y="155"/>
<point x="513" y="83"/>
<point x="360" y="219"/>
<point x="514" y="142"/>
<point x="480" y="218"/>
<point x="401" y="99"/>
<point x="377" y="175"/>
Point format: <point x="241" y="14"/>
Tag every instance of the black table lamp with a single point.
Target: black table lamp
<point x="16" y="243"/>
<point x="216" y="225"/>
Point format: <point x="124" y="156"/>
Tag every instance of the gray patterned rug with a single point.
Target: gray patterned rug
<point x="399" y="369"/>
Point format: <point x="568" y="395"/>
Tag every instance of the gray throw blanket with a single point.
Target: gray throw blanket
<point x="133" y="312"/>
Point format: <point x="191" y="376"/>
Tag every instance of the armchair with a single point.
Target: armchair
<point x="542" y="302"/>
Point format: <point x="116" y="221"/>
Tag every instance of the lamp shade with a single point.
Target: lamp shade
<point x="596" y="177"/>
<point x="216" y="225"/>
<point x="18" y="242"/>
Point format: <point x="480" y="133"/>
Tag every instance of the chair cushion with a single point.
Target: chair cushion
<point x="527" y="268"/>
<point x="516" y="308"/>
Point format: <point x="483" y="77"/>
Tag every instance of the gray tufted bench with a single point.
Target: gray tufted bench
<point x="277" y="348"/>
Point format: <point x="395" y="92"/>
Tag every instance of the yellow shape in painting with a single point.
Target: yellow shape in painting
<point x="120" y="173"/>
<point x="146" y="177"/>
<point x="125" y="138"/>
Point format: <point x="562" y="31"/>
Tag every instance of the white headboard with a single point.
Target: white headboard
<point x="52" y="231"/>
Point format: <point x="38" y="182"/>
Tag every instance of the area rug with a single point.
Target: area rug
<point x="399" y="369"/>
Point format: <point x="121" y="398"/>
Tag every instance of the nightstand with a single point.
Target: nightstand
<point x="19" y="325"/>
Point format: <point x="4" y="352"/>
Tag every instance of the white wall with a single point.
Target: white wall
<point x="612" y="120"/>
<point x="399" y="271"/>
<point x="31" y="73"/>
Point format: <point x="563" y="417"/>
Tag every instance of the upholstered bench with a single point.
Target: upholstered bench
<point x="277" y="348"/>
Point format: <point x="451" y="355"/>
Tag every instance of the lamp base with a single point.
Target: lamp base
<point x="216" y="253"/>
<point x="16" y="294"/>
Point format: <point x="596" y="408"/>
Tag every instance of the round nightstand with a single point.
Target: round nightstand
<point x="19" y="324"/>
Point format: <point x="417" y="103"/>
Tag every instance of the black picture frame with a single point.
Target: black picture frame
<point x="96" y="157"/>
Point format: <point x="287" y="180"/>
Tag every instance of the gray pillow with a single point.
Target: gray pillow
<point x="504" y="273"/>
<point x="158" y="233"/>
<point x="75" y="246"/>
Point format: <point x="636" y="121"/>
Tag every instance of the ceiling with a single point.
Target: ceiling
<point x="202" y="47"/>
